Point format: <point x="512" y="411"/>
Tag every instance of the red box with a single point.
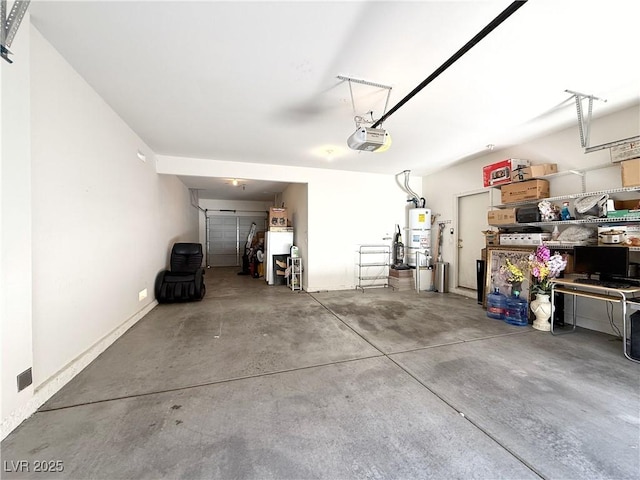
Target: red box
<point x="499" y="173"/>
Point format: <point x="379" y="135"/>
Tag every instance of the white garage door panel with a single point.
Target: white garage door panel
<point x="227" y="236"/>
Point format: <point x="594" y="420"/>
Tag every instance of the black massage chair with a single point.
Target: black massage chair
<point x="184" y="282"/>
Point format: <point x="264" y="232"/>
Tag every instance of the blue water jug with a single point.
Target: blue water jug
<point x="496" y="305"/>
<point x="517" y="311"/>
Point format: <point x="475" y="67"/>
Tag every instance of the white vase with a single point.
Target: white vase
<point x="541" y="308"/>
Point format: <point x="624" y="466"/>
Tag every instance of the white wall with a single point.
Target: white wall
<point x="103" y="223"/>
<point x="102" y="211"/>
<point x="15" y="218"/>
<point x="345" y="209"/>
<point x="295" y="198"/>
<point x="561" y="147"/>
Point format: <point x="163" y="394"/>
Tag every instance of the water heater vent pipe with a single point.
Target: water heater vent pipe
<point x="418" y="201"/>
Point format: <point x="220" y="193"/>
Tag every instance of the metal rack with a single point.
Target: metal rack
<point x="373" y="266"/>
<point x="620" y="192"/>
<point x="294" y="280"/>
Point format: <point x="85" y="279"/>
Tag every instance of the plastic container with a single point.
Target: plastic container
<point x="496" y="305"/>
<point x="517" y="312"/>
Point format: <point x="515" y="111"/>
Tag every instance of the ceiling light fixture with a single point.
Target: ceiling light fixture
<point x="234" y="182"/>
<point x="328" y="152"/>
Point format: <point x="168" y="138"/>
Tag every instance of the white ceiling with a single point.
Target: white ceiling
<point x="242" y="189"/>
<point x="256" y="81"/>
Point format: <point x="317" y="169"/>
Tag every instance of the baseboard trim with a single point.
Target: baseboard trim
<point x="44" y="392"/>
<point x="465" y="292"/>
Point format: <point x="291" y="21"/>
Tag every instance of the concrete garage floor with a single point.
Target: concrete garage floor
<point x="261" y="382"/>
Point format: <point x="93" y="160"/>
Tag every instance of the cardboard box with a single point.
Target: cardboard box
<point x="569" y="258"/>
<point x="277" y="217"/>
<point x="626" y="204"/>
<point x="402" y="284"/>
<point x="258" y="239"/>
<point x="520" y="191"/>
<point x="492" y="238"/>
<point x="534" y="171"/>
<point x="502" y="216"/>
<point x="630" y="173"/>
<point x="400" y="273"/>
<point x="499" y="173"/>
<point x="623" y="214"/>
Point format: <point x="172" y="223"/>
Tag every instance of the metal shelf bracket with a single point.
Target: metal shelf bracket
<point x="9" y="24"/>
<point x="584" y="124"/>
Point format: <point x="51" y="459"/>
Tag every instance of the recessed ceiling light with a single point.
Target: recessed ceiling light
<point x="234" y="182"/>
<point x="328" y="152"/>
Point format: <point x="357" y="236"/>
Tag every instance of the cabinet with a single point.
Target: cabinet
<point x="615" y="194"/>
<point x="372" y="266"/>
<point x="294" y="280"/>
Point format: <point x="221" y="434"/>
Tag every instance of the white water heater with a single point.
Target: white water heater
<point x="419" y="235"/>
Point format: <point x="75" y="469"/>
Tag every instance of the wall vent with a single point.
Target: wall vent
<point x="25" y="379"/>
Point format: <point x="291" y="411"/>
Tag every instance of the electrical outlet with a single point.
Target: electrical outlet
<point x="142" y="294"/>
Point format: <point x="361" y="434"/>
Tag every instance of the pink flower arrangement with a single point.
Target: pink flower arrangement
<point x="544" y="267"/>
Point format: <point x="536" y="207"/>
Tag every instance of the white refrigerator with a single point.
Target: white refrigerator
<point x="276" y="243"/>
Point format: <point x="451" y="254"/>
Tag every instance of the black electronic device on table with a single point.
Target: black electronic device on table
<point x="610" y="263"/>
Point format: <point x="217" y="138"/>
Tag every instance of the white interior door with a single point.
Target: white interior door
<point x="472" y="220"/>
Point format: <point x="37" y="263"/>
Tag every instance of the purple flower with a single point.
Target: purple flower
<point x="536" y="271"/>
<point x="542" y="254"/>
